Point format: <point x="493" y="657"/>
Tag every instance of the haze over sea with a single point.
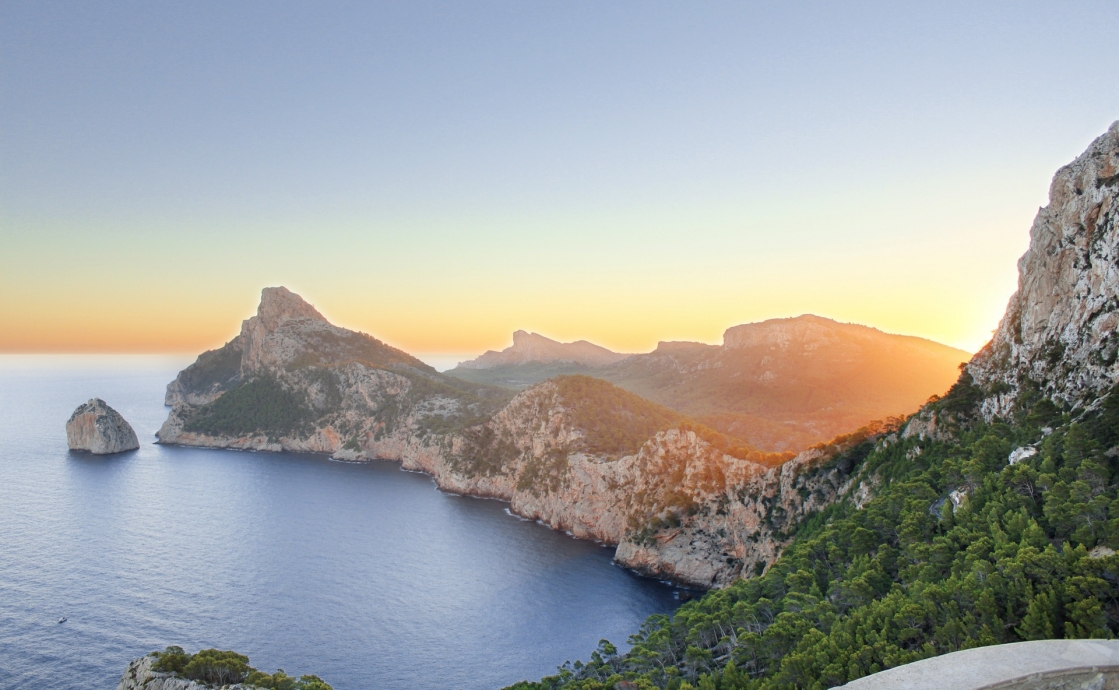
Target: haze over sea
<point x="363" y="574"/>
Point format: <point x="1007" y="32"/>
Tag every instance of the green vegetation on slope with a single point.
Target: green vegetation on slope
<point x="218" y="668"/>
<point x="617" y="422"/>
<point x="263" y="405"/>
<point x="907" y="577"/>
<point x="219" y="367"/>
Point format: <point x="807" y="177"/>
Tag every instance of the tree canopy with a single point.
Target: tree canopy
<point x="958" y="549"/>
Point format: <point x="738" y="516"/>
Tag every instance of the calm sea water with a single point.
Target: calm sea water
<point x="363" y="574"/>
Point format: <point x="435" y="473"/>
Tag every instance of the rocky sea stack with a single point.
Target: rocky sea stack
<point x="99" y="429"/>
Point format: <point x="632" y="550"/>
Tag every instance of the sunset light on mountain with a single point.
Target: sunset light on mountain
<point x="506" y="345"/>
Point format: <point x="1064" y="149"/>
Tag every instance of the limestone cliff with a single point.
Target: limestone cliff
<point x="99" y="429"/>
<point x="577" y="453"/>
<point x="1058" y="337"/>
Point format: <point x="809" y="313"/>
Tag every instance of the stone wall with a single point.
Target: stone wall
<point x="1038" y="665"/>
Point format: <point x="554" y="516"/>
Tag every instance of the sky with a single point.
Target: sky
<point x="440" y="174"/>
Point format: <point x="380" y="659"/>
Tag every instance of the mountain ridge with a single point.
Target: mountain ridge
<point x="533" y="347"/>
<point x="782" y="384"/>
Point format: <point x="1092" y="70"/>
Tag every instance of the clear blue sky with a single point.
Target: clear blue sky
<point x="440" y="174"/>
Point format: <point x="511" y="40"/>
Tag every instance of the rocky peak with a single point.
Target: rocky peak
<point x="278" y="332"/>
<point x="278" y="304"/>
<point x="1059" y="331"/>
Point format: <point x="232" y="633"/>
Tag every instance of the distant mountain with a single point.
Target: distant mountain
<point x="786" y="384"/>
<point x="534" y="358"/>
<point x="779" y="385"/>
<point x="533" y="347"/>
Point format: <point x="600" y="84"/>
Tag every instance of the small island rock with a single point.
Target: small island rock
<point x="100" y="429"/>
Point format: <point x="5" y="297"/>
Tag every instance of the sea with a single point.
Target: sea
<point x="363" y="574"/>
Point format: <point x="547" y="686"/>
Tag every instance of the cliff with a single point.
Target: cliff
<point x="1058" y="338"/>
<point x="682" y="500"/>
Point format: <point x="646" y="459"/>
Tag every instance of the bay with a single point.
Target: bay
<point x="361" y="573"/>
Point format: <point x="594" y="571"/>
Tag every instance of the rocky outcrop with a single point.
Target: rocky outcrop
<point x="140" y="676"/>
<point x="716" y="518"/>
<point x="99" y="429"/>
<point x="533" y="347"/>
<point x="1058" y="337"/>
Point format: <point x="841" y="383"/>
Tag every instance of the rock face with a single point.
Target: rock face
<point x="683" y="502"/>
<point x="533" y="347"/>
<point x="1058" y="336"/>
<point x="99" y="429"/>
<point x="140" y="676"/>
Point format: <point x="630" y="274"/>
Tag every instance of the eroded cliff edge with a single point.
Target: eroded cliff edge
<point x="681" y="501"/>
<point x="1058" y="337"/>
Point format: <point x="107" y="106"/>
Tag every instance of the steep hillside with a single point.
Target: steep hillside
<point x="991" y="516"/>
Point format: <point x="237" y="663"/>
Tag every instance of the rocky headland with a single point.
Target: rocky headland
<point x="681" y="500"/>
<point x="99" y="429"/>
<point x="209" y="669"/>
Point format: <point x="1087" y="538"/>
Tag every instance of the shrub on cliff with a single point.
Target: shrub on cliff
<point x="263" y="405"/>
<point x="217" y="667"/>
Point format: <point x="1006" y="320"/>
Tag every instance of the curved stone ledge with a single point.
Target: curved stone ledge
<point x="1040" y="665"/>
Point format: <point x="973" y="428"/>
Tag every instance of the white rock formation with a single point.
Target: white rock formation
<point x="1019" y="454"/>
<point x="99" y="429"/>
<point x="1060" y="329"/>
